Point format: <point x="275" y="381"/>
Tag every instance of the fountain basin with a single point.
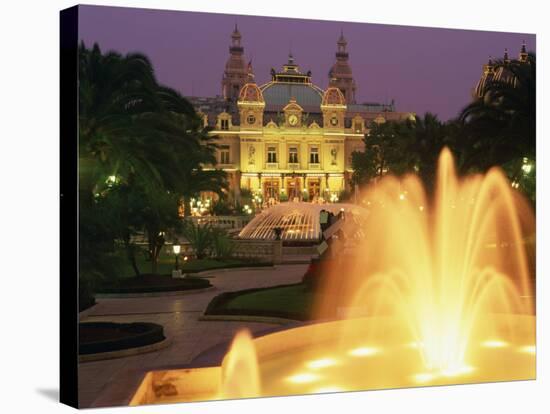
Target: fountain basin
<point x="317" y="359"/>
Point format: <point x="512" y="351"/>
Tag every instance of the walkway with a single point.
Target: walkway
<point x="179" y="316"/>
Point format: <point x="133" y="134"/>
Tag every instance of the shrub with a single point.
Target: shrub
<point x="222" y="208"/>
<point x="222" y="246"/>
<point x="200" y="236"/>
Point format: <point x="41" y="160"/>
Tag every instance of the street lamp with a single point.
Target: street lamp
<point x="176" y="248"/>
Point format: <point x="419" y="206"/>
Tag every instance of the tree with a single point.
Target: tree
<point x="427" y="138"/>
<point x="382" y="152"/>
<point x="500" y="128"/>
<point x="399" y="148"/>
<point x="142" y="148"/>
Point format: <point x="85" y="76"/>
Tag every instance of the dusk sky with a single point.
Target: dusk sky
<point x="423" y="69"/>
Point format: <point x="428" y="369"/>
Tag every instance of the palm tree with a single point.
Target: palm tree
<point x="114" y="91"/>
<point x="427" y="137"/>
<point x="500" y="126"/>
<point x="141" y="145"/>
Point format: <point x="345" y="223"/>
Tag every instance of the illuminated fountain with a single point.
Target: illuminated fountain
<point x="439" y="292"/>
<point x="298" y="221"/>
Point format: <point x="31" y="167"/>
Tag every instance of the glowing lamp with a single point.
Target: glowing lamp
<point x="176" y="248"/>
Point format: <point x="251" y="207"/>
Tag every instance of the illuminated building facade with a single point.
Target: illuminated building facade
<point x="288" y="138"/>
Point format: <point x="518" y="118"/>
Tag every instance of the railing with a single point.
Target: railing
<point x="255" y="249"/>
<point x="314" y="166"/>
<point x="272" y="165"/>
<point x="223" y="222"/>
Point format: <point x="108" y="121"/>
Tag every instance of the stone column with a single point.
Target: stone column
<point x="277" y="251"/>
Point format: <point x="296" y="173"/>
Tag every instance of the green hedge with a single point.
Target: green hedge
<point x="153" y="284"/>
<point x="124" y="336"/>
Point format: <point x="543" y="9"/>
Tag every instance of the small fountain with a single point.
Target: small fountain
<point x="240" y="373"/>
<point x="438" y="292"/>
<point x="297" y="221"/>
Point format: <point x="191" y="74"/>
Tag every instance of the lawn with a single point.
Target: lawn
<point x="287" y="301"/>
<point x="166" y="264"/>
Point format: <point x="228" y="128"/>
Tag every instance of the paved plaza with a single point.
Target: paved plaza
<point x="179" y="315"/>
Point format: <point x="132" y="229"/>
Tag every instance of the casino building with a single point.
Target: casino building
<point x="289" y="138"/>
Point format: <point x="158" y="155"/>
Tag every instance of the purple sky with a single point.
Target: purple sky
<point x="423" y="69"/>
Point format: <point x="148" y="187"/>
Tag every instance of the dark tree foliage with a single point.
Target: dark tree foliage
<point x="141" y="151"/>
<point x="403" y="147"/>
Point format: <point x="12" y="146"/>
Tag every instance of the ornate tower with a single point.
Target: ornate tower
<point x="236" y="71"/>
<point x="340" y="75"/>
<point x="523" y="55"/>
<point x="251" y="106"/>
<point x="333" y="107"/>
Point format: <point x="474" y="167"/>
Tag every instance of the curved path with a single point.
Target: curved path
<point x="179" y="316"/>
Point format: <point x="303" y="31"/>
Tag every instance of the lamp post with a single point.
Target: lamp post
<point x="176" y="248"/>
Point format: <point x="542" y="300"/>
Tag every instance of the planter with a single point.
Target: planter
<point x="100" y="337"/>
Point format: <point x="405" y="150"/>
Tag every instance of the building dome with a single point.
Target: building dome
<point x="486" y="78"/>
<point x="251" y="93"/>
<point x="333" y="96"/>
<point x="277" y="95"/>
<point x="503" y="72"/>
<point x="289" y="83"/>
<point x="298" y="221"/>
<point x="500" y="71"/>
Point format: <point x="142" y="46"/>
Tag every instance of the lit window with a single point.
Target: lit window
<point x="225" y="124"/>
<point x="293" y="155"/>
<point x="314" y="155"/>
<point x="224" y="154"/>
<point x="271" y="154"/>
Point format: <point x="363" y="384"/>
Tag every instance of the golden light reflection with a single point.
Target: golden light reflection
<point x="363" y="351"/>
<point x="424" y="377"/>
<point x="321" y="363"/>
<point x="415" y="345"/>
<point x="303" y="378"/>
<point x="428" y="377"/>
<point x="530" y="349"/>
<point x="494" y="343"/>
